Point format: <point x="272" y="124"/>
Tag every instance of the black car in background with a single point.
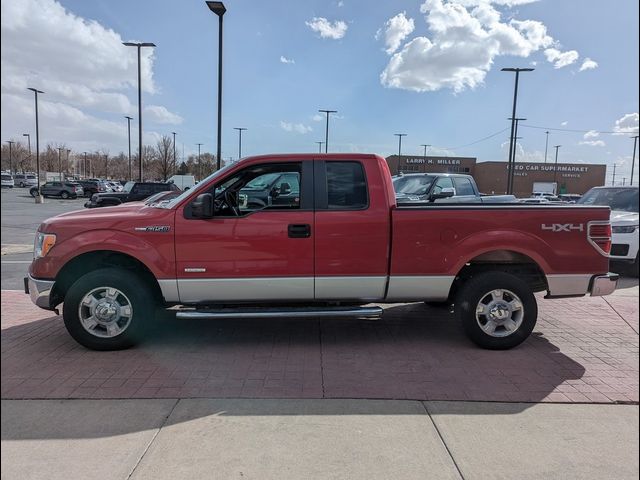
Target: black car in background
<point x="93" y="186"/>
<point x="58" y="189"/>
<point x="281" y="189"/>
<point x="133" y="192"/>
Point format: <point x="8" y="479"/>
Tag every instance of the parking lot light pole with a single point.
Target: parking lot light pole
<point x="60" y="162"/>
<point x="320" y="146"/>
<point x="28" y="142"/>
<point x="633" y="159"/>
<point x="219" y="9"/>
<point x="139" y="45"/>
<point x="129" y="139"/>
<point x="10" y="142"/>
<point x="175" y="160"/>
<point x="106" y="166"/>
<point x="326" y="130"/>
<point x="546" y="146"/>
<point x="555" y="168"/>
<point x="38" y="196"/>
<point x="86" y="171"/>
<point x="513" y="124"/>
<point x="68" y="151"/>
<point x="425" y="149"/>
<point x="199" y="163"/>
<point x="240" y="130"/>
<point x="400" y="135"/>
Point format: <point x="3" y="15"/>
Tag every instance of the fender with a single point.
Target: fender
<point x="154" y="250"/>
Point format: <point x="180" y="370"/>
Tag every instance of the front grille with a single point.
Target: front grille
<point x="619" y="250"/>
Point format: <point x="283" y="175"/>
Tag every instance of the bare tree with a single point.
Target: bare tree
<point x="166" y="161"/>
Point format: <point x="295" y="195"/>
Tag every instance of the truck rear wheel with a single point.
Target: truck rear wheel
<point x="108" y="308"/>
<point x="498" y="310"/>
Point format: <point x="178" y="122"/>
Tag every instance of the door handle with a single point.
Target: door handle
<point x="302" y="230"/>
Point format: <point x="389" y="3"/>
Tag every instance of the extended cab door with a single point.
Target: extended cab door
<point x="249" y="252"/>
<point x="352" y="221"/>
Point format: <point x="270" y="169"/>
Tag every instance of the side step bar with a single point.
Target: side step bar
<point x="365" y="313"/>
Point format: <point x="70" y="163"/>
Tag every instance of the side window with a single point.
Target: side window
<point x="443" y="182"/>
<point x="464" y="186"/>
<point x="260" y="187"/>
<point x="346" y="186"/>
<point x="142" y="189"/>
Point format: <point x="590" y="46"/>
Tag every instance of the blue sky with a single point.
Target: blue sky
<point x="463" y="95"/>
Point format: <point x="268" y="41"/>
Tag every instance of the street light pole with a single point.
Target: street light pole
<point x="29" y="145"/>
<point x="513" y="123"/>
<point x="106" y="166"/>
<point x="175" y="160"/>
<point x="239" y="129"/>
<point x="555" y="168"/>
<point x="633" y="159"/>
<point x="400" y="135"/>
<point x="38" y="196"/>
<point x="10" y="142"/>
<point x="199" y="164"/>
<point x="60" y="162"/>
<point x="613" y="180"/>
<point x="129" y="139"/>
<point x="85" y="165"/>
<point x="68" y="151"/>
<point x="326" y="130"/>
<point x="219" y="9"/>
<point x="546" y="146"/>
<point x="319" y="146"/>
<point x="513" y="162"/>
<point x="425" y="149"/>
<point x="139" y="45"/>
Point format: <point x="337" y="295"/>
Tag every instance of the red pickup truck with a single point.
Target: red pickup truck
<point x="328" y="241"/>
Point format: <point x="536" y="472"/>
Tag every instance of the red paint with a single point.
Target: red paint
<point x="376" y="241"/>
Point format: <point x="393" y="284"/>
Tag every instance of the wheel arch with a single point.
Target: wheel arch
<point x="95" y="259"/>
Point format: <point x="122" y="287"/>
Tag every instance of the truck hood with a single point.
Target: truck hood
<point x="119" y="217"/>
<point x="621" y="217"/>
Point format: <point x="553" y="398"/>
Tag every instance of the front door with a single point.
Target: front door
<point x="249" y="252"/>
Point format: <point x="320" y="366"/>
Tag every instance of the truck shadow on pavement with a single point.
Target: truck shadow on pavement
<point x="414" y="353"/>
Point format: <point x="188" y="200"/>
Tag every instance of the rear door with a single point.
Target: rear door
<point x="352" y="231"/>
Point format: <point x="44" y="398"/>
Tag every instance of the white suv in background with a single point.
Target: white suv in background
<point x="7" y="180"/>
<point x="624" y="220"/>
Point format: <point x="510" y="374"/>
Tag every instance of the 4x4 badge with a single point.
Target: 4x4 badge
<point x="563" y="227"/>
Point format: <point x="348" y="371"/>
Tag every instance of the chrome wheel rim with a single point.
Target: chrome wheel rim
<point x="105" y="312"/>
<point x="499" y="313"/>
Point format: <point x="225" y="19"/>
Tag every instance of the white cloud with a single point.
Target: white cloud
<point x="593" y="143"/>
<point x="82" y="66"/>
<point x="326" y="29"/>
<point x="561" y="59"/>
<point x="466" y="37"/>
<point x="506" y="3"/>
<point x="628" y="123"/>
<point x="284" y="59"/>
<point x="588" y="64"/>
<point x="396" y="29"/>
<point x="340" y="3"/>
<point x="564" y="124"/>
<point x="318" y="118"/>
<point x="159" y="114"/>
<point x="591" y="134"/>
<point x="295" y="127"/>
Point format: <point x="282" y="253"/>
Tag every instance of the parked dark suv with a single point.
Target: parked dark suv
<point x="92" y="186"/>
<point x="133" y="192"/>
<point x="58" y="189"/>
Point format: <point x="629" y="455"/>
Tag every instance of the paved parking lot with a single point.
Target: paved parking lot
<point x="582" y="350"/>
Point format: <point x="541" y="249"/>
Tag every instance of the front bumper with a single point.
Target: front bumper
<point x="604" y="284"/>
<point x="39" y="291"/>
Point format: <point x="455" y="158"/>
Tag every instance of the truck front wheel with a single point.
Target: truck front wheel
<point x="497" y="310"/>
<point x="108" y="308"/>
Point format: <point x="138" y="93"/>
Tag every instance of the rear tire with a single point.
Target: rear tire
<point x="107" y="309"/>
<point x="498" y="310"/>
<point x="64" y="195"/>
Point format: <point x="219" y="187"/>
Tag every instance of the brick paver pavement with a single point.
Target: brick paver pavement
<point x="582" y="350"/>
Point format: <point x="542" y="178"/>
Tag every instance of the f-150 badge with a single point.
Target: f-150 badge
<point x="153" y="228"/>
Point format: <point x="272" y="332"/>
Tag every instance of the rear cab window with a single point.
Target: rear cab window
<point x="346" y="186"/>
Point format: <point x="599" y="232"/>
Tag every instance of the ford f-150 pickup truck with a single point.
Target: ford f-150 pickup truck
<point x="343" y="245"/>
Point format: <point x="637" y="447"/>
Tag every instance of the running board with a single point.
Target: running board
<point x="365" y="313"/>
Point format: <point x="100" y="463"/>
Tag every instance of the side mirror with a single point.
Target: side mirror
<point x="285" y="188"/>
<point x="274" y="192"/>
<point x="202" y="206"/>
<point x="447" y="192"/>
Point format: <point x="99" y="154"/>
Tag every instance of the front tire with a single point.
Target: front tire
<point x="64" y="195"/>
<point x="107" y="309"/>
<point x="498" y="310"/>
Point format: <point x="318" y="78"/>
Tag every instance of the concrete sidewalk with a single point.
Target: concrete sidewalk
<point x="282" y="439"/>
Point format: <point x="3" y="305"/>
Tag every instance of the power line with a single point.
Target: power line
<point x="477" y="141"/>
<point x="570" y="130"/>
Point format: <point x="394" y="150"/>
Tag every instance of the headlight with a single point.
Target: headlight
<point x="43" y="244"/>
<point x="625" y="229"/>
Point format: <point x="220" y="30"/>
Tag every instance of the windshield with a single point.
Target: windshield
<point x="413" y="185"/>
<point x="6" y="177"/>
<point x="625" y="199"/>
<point x="128" y="186"/>
<point x="173" y="202"/>
<point x="263" y="181"/>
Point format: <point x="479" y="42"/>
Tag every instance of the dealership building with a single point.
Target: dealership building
<point x="491" y="177"/>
